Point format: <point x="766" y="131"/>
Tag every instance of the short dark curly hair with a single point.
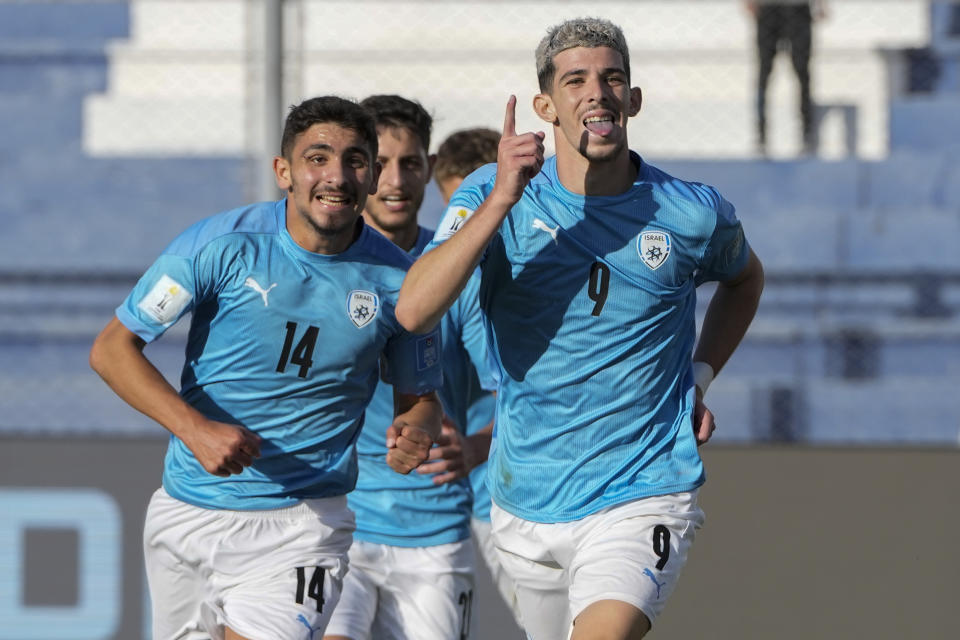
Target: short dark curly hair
<point x="395" y="111"/>
<point x="465" y="151"/>
<point x="339" y="111"/>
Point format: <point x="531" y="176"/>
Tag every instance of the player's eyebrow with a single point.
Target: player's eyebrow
<point x="572" y="72"/>
<point x="583" y="72"/>
<point x="323" y="146"/>
<point x="405" y="158"/>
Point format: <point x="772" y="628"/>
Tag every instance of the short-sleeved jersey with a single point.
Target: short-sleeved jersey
<point x="283" y="341"/>
<point x="590" y="304"/>
<point x="469" y="376"/>
<point x="409" y="510"/>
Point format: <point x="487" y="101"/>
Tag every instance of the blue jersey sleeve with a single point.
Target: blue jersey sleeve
<point x="466" y="199"/>
<point x="165" y="293"/>
<point x="473" y="333"/>
<point x="727" y="251"/>
<point x="411" y="362"/>
<point x="185" y="274"/>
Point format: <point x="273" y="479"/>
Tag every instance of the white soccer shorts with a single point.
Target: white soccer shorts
<point x="503" y="582"/>
<point x="264" y="574"/>
<point x="398" y="593"/>
<point x="632" y="553"/>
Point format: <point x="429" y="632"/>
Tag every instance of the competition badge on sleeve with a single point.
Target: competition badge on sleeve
<point x="428" y="351"/>
<point x="653" y="247"/>
<point x="451" y="222"/>
<point x="362" y="307"/>
<point x="734" y="248"/>
<point x="166" y="300"/>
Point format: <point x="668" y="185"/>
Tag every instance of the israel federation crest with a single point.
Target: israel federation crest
<point x="653" y="247"/>
<point x="362" y="307"/>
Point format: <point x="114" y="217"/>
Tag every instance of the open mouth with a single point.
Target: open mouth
<point x="395" y="202"/>
<point x="600" y="125"/>
<point x="334" y="200"/>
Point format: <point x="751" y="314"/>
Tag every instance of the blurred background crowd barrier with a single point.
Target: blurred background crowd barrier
<point x="123" y="122"/>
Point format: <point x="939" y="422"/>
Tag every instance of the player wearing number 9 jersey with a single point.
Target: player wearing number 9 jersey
<point x="612" y="280"/>
<point x="292" y="308"/>
<point x="590" y="261"/>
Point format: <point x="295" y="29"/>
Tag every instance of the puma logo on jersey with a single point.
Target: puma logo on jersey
<point x="253" y="284"/>
<point x="542" y="226"/>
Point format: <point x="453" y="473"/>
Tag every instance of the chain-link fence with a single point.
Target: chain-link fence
<point x="186" y="77"/>
<point x="127" y="121"/>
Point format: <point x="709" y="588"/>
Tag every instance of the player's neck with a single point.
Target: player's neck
<point x="609" y="177"/>
<point x="404" y="237"/>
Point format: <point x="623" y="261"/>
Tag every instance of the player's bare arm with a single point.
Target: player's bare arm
<point x="456" y="455"/>
<point x="414" y="430"/>
<point x="729" y="314"/>
<point x="117" y="356"/>
<point x="436" y="279"/>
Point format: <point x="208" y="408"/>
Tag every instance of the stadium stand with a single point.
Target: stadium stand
<point x="110" y="212"/>
<point x="136" y="118"/>
<point x="176" y="62"/>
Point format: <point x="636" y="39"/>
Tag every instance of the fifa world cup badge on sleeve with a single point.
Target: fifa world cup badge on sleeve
<point x="166" y="300"/>
<point x="452" y="220"/>
<point x="653" y="247"/>
<point x="362" y="307"/>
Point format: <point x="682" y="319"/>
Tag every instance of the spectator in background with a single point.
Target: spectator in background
<point x="291" y="306"/>
<point x="412" y="563"/>
<point x="785" y="22"/>
<point x="460" y="154"/>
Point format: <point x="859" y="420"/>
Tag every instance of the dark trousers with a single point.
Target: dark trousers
<point x="790" y="24"/>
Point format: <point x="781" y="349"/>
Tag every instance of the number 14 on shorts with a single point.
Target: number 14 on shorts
<point x="313" y="588"/>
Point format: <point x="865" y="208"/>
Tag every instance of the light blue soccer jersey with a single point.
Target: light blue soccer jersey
<point x="410" y="511"/>
<point x="469" y="373"/>
<point x="589" y="304"/>
<point x="283" y="341"/>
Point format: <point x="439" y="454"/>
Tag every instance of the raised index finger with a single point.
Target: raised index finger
<point x="510" y="119"/>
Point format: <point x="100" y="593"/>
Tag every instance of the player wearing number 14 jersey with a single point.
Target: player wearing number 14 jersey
<point x="292" y="315"/>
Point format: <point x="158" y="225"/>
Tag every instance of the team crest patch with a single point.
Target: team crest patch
<point x="653" y="247"/>
<point x="362" y="307"/>
<point x="428" y="351"/>
<point x="452" y="220"/>
<point x="166" y="300"/>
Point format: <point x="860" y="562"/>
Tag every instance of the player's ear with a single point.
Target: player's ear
<point x="544" y="108"/>
<point x="431" y="163"/>
<point x="636" y="100"/>
<point x="281" y="170"/>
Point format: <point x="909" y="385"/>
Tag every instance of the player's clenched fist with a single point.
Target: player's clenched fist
<point x="703" y="421"/>
<point x="407" y="446"/>
<point x="519" y="157"/>
<point x="223" y="449"/>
